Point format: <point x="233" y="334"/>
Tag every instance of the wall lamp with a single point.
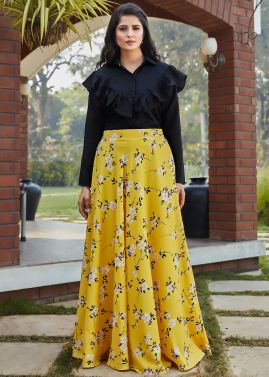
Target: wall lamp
<point x="24" y="91"/>
<point x="209" y="56"/>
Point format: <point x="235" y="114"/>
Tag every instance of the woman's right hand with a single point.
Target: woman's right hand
<point x="84" y="201"/>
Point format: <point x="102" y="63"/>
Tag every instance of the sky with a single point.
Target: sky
<point x="62" y="78"/>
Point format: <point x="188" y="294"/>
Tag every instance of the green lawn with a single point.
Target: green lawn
<point x="59" y="203"/>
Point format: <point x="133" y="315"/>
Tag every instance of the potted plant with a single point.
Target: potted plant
<point x="45" y="22"/>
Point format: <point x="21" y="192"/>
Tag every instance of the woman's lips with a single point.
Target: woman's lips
<point x="130" y="42"/>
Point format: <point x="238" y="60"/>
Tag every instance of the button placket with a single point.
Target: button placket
<point x="133" y="91"/>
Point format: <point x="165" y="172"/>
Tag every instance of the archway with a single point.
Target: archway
<point x="232" y="130"/>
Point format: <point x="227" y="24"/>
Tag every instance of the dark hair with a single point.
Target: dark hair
<point x="111" y="50"/>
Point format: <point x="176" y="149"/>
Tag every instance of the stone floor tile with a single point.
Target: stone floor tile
<point x="41" y="325"/>
<point x="240" y="303"/>
<point x="238" y="285"/>
<point x="249" y="361"/>
<point x="27" y="359"/>
<point x="247" y="327"/>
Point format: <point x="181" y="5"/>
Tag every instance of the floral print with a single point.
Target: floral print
<point x="138" y="307"/>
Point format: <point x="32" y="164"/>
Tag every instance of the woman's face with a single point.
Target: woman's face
<point x="129" y="28"/>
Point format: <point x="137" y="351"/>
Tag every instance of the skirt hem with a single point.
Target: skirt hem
<point x="105" y="360"/>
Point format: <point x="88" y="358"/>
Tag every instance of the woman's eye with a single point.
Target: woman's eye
<point x="135" y="28"/>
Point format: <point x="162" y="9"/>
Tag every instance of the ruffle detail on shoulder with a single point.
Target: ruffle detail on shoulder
<point x="111" y="97"/>
<point x="174" y="77"/>
<point x="124" y="103"/>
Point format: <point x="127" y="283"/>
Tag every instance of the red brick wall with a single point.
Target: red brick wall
<point x="9" y="142"/>
<point x="232" y="130"/>
<point x="48" y="294"/>
<point x="232" y="135"/>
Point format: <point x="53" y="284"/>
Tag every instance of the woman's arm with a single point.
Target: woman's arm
<point x="172" y="132"/>
<point x="94" y="127"/>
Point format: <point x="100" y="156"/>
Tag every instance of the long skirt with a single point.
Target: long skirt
<point x="138" y="307"/>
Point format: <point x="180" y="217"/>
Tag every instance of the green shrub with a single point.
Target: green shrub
<point x="263" y="195"/>
<point x="53" y="173"/>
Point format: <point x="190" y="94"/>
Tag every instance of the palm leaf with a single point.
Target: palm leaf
<point x="46" y="20"/>
<point x="46" y="14"/>
<point x="42" y="19"/>
<point x="24" y="17"/>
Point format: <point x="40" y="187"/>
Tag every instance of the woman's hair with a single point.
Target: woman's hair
<point x="111" y="50"/>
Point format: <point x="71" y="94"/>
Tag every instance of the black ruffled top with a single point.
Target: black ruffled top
<point x="146" y="98"/>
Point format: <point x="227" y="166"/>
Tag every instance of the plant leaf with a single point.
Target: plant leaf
<point x="42" y="19"/>
<point x="24" y="17"/>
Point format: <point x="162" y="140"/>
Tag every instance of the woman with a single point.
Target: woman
<point x="137" y="307"/>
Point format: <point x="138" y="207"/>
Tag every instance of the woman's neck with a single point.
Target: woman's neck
<point x="131" y="57"/>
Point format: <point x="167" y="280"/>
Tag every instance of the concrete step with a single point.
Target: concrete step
<point x="247" y="327"/>
<point x="249" y="361"/>
<point x="41" y="325"/>
<point x="240" y="303"/>
<point x="238" y="285"/>
<point x="27" y="359"/>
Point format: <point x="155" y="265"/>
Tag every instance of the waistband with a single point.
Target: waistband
<point x="133" y="133"/>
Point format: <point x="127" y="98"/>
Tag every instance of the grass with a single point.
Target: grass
<point x="59" y="203"/>
<point x="24" y="305"/>
<point x="264" y="264"/>
<point x="226" y="275"/>
<point x="242" y="293"/>
<point x="34" y="338"/>
<point x="243" y="313"/>
<point x="250" y="342"/>
<point x="64" y="363"/>
<point x="263" y="228"/>
<point x="216" y="364"/>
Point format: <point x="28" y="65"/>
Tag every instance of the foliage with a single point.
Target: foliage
<point x="53" y="173"/>
<point x="44" y="22"/>
<point x="263" y="195"/>
<point x="262" y="87"/>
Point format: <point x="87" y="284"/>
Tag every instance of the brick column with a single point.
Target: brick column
<point x="10" y="48"/>
<point x="232" y="137"/>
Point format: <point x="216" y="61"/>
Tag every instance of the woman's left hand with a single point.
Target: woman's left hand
<point x="181" y="194"/>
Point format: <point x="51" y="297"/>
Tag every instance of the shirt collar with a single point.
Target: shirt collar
<point x="116" y="61"/>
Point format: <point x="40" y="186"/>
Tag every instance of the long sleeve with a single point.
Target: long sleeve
<point x="172" y="132"/>
<point x="94" y="127"/>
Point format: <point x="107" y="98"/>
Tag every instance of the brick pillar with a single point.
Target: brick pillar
<point x="232" y="137"/>
<point x="24" y="132"/>
<point x="10" y="49"/>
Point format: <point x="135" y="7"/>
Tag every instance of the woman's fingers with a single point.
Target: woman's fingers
<point x="181" y="195"/>
<point x="84" y="205"/>
<point x="82" y="210"/>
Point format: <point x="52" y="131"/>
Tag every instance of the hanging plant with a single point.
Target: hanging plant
<point x="46" y="22"/>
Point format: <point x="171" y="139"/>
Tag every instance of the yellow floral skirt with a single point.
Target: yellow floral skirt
<point x="138" y="307"/>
